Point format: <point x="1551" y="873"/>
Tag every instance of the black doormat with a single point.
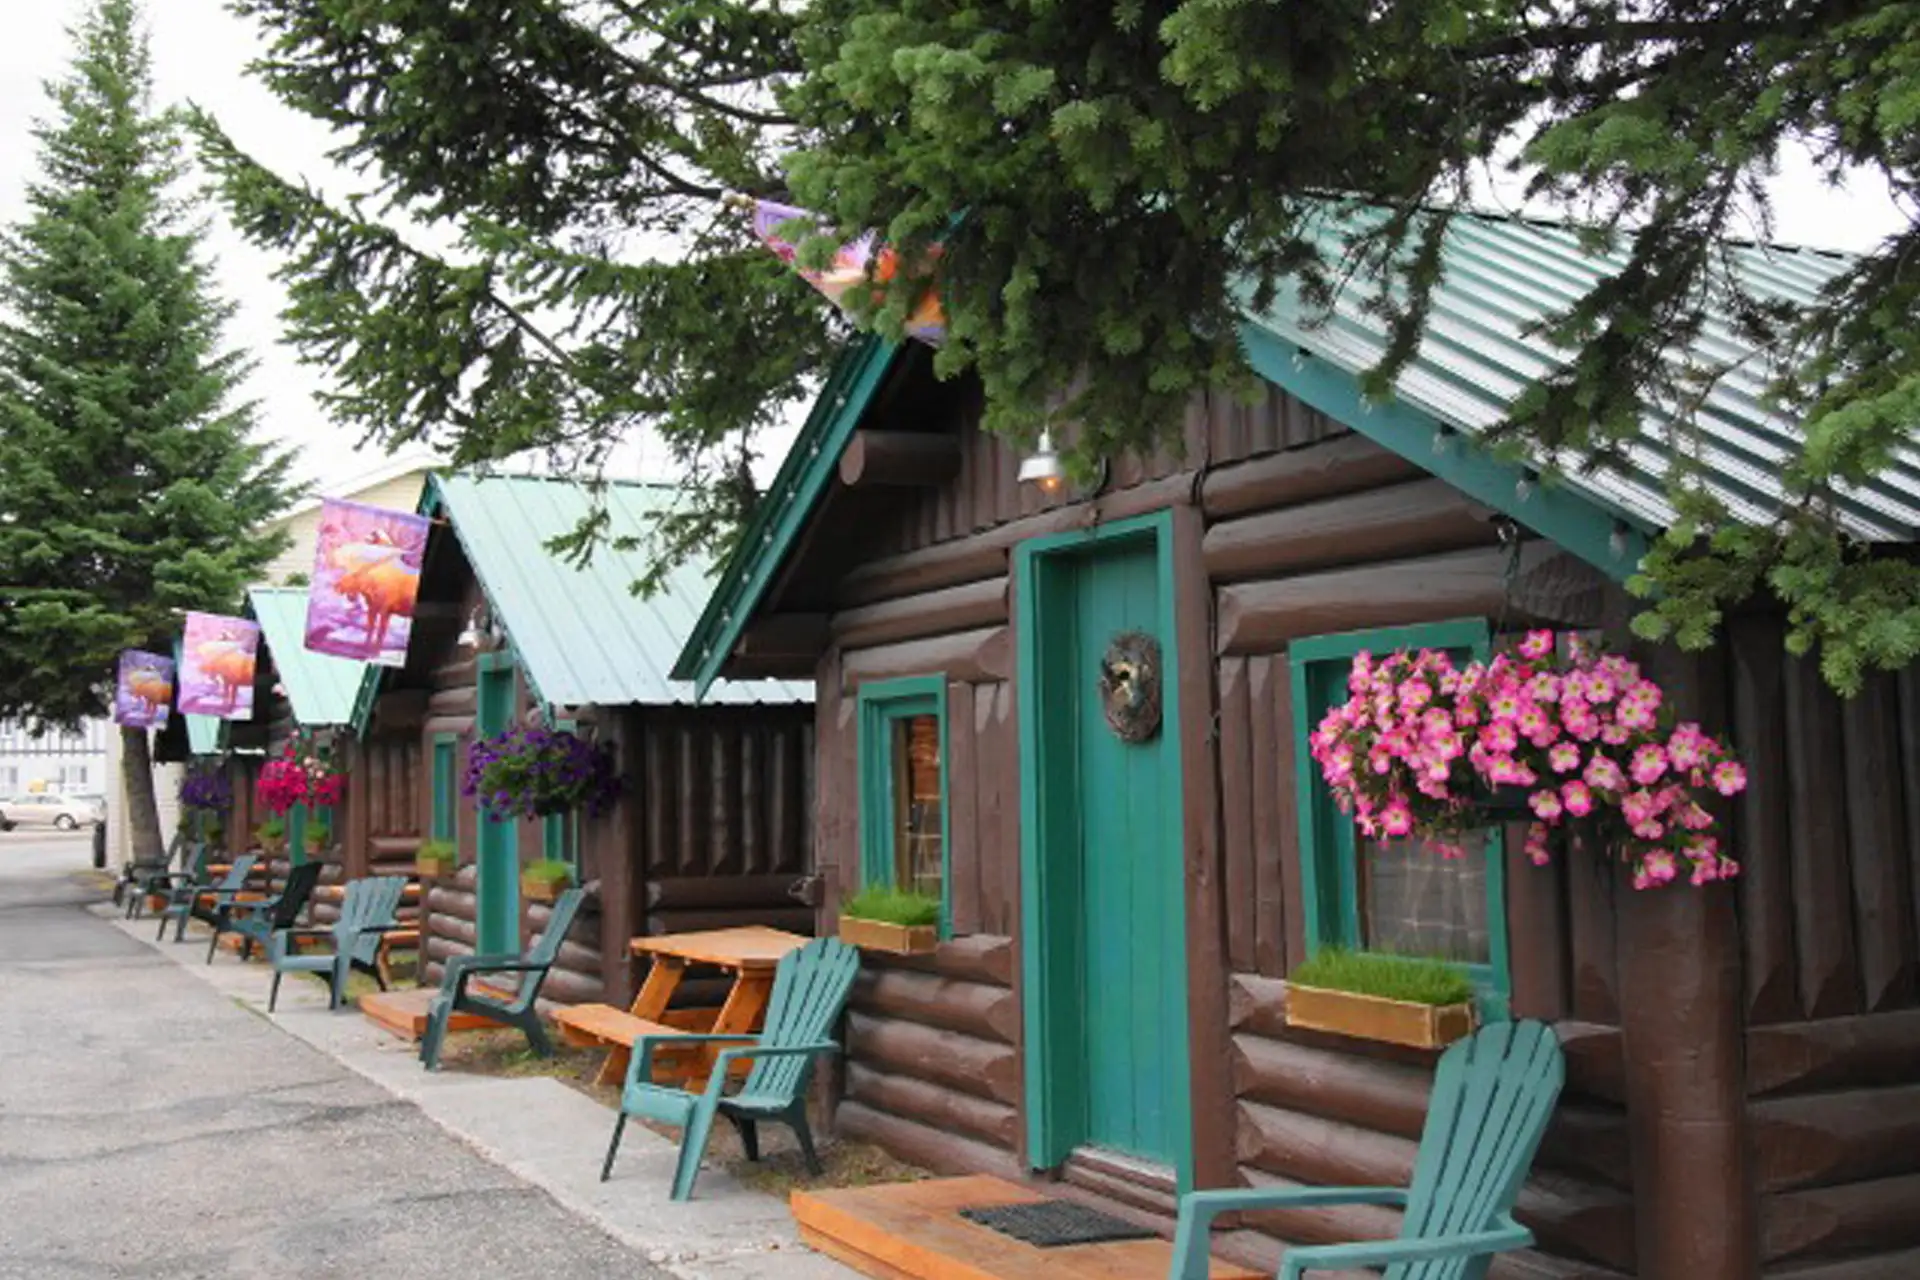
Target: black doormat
<point x="1048" y="1224"/>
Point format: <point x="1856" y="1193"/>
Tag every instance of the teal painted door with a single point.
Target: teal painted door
<point x="498" y="889"/>
<point x="1131" y="1031"/>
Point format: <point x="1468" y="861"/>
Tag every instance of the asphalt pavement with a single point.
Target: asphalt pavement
<point x="151" y="1126"/>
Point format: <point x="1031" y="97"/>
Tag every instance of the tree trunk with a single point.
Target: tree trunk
<point x="143" y="810"/>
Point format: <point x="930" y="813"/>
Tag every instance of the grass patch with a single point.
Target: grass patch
<point x="1413" y="979"/>
<point x="889" y="905"/>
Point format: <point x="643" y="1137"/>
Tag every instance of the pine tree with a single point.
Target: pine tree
<point x="131" y="481"/>
<point x="1110" y="184"/>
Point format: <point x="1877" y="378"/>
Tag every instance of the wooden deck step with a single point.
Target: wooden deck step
<point x="404" y="1013"/>
<point x="914" y="1231"/>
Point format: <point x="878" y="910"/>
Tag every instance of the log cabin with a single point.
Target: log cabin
<point x="712" y="826"/>
<point x="374" y="827"/>
<point x="1106" y="1006"/>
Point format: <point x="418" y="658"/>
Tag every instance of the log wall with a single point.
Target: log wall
<point x="1745" y="1057"/>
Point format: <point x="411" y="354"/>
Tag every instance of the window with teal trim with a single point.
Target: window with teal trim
<point x="446" y="787"/>
<point x="1397" y="896"/>
<point x="903" y="785"/>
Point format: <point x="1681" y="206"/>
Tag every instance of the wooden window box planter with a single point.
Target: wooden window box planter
<point x="542" y="889"/>
<point x="1347" y="1013"/>
<point x="896" y="939"/>
<point x="434" y="868"/>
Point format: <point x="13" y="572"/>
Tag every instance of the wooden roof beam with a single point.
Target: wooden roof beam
<point x="899" y="459"/>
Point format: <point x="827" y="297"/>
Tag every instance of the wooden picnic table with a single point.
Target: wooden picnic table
<point x="749" y="953"/>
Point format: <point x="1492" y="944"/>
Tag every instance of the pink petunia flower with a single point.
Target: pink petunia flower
<point x="1578" y="798"/>
<point x="1649" y="764"/>
<point x="1564" y="758"/>
<point x="1536" y="645"/>
<point x="1396" y="820"/>
<point x="1602" y="774"/>
<point x="1729" y="778"/>
<point x="1546" y="805"/>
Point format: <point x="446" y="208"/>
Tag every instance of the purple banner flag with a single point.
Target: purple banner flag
<point x="855" y="263"/>
<point x="143" y="693"/>
<point x="366" y="575"/>
<point x="216" y="666"/>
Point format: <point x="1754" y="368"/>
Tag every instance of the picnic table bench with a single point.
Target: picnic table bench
<point x="750" y="953"/>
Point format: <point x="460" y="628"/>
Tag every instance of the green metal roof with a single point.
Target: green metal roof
<point x="320" y="687"/>
<point x="581" y="635"/>
<point x="203" y="735"/>
<point x="1500" y="275"/>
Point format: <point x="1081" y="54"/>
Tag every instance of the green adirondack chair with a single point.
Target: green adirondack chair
<point x="256" y="922"/>
<point x="1492" y="1098"/>
<point x="810" y="987"/>
<point x="182" y="896"/>
<point x="368" y="909"/>
<point x="522" y="1011"/>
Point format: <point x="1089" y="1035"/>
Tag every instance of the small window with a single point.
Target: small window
<point x="446" y="787"/>
<point x="903" y="810"/>
<point x="1396" y="896"/>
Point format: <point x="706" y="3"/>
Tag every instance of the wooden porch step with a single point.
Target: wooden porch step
<point x="1149" y="1188"/>
<point x="914" y="1231"/>
<point x="404" y="1013"/>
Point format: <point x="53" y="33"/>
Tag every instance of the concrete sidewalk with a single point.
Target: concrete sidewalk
<point x="537" y="1129"/>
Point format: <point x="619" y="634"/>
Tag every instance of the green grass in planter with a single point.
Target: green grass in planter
<point x="1370" y="973"/>
<point x="892" y="906"/>
<point x="435" y="850"/>
<point x="550" y="869"/>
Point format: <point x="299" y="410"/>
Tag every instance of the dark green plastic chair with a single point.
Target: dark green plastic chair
<point x="368" y="908"/>
<point x="256" y="922"/>
<point x="182" y="897"/>
<point x="522" y="1011"/>
<point x="810" y="987"/>
<point x="1492" y="1098"/>
<point x="136" y="882"/>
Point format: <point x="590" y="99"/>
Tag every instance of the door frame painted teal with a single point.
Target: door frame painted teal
<point x="1050" y="1096"/>
<point x="560" y="832"/>
<point x="497" y="844"/>
<point x="881" y="702"/>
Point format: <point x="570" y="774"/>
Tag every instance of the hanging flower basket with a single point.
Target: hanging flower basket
<point x="301" y="774"/>
<point x="537" y="773"/>
<point x="1427" y="749"/>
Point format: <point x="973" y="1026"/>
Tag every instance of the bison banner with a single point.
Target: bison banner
<point x="366" y="573"/>
<point x="144" y="691"/>
<point x="216" y="666"/>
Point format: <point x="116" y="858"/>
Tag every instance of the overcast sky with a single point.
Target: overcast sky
<point x="200" y="51"/>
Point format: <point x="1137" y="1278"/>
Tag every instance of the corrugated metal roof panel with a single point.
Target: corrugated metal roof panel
<point x="581" y="634"/>
<point x="320" y="687"/>
<point x="203" y="735"/>
<point x="1504" y="274"/>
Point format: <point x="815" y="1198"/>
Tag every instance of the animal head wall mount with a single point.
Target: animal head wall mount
<point x="1130" y="679"/>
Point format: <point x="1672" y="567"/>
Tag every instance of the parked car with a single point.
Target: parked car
<point x="46" y="809"/>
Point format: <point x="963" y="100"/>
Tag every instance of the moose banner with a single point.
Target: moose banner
<point x="144" y="691"/>
<point x="366" y="574"/>
<point x="216" y="666"/>
<point x="854" y="263"/>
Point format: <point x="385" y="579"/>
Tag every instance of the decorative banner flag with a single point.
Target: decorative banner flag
<point x="853" y="264"/>
<point x="366" y="574"/>
<point x="144" y="691"/>
<point x="216" y="666"/>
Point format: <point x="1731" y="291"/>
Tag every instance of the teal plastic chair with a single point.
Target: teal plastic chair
<point x="810" y="987"/>
<point x="257" y="922"/>
<point x="1492" y="1098"/>
<point x="522" y="1011"/>
<point x="182" y="897"/>
<point x="369" y="907"/>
